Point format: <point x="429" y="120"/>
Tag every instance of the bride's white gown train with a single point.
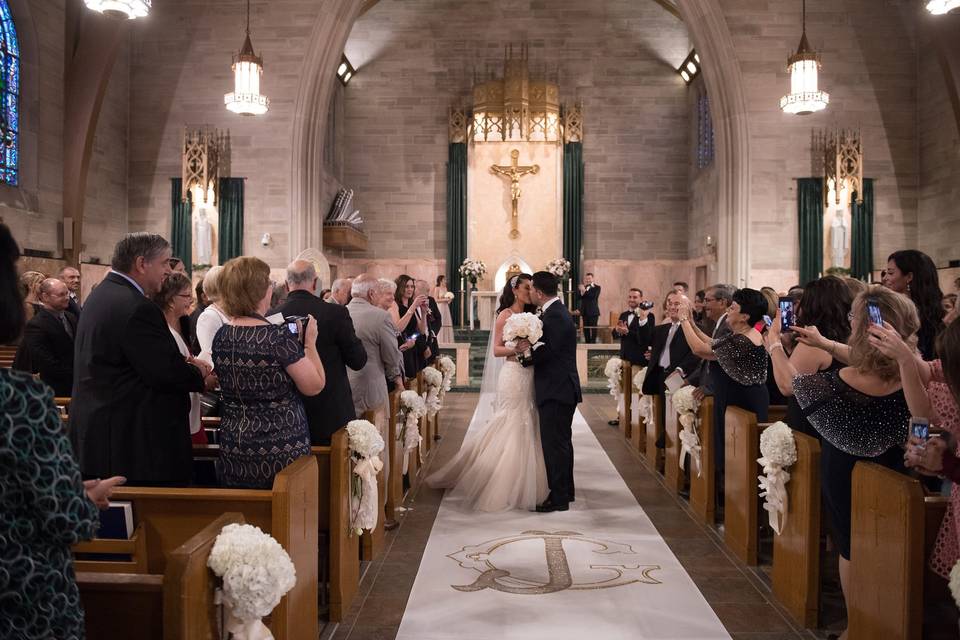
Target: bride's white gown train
<point x="500" y="467"/>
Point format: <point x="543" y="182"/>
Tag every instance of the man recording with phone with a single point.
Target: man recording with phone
<point x="635" y="329"/>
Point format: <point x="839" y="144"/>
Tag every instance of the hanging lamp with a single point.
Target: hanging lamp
<point x="940" y="7"/>
<point x="129" y="9"/>
<point x="245" y="98"/>
<point x="804" y="97"/>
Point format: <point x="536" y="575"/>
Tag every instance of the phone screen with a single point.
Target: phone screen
<point x="920" y="428"/>
<point x="786" y="314"/>
<point x="767" y="321"/>
<point x="874" y="312"/>
<point x="293" y="328"/>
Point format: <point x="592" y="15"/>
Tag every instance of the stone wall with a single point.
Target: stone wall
<point x="415" y="57"/>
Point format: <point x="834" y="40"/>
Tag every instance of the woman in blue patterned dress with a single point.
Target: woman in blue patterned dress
<point x="261" y="367"/>
<point x="44" y="506"/>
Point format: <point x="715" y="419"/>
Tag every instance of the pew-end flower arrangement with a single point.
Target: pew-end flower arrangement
<point x="434" y="381"/>
<point x="449" y="369"/>
<point x="412" y="408"/>
<point x="365" y="445"/>
<point x="613" y="370"/>
<point x="645" y="404"/>
<point x="955" y="583"/>
<point x="688" y="409"/>
<point x="778" y="451"/>
<point x="256" y="573"/>
<point x="522" y="326"/>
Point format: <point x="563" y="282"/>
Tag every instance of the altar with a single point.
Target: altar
<point x="483" y="304"/>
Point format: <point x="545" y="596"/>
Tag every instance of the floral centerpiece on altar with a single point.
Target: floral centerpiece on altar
<point x="688" y="408"/>
<point x="473" y="270"/>
<point x="559" y="267"/>
<point x="256" y="572"/>
<point x="778" y="451"/>
<point x="365" y="443"/>
<point x="522" y="326"/>
<point x="412" y="408"/>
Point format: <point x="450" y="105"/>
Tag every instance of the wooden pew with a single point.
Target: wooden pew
<point x="395" y="478"/>
<point x="626" y="390"/>
<point x="177" y="605"/>
<point x="796" y="551"/>
<point x="776" y="413"/>
<point x="372" y="543"/>
<point x="891" y="523"/>
<point x="425" y="420"/>
<point x="7" y="356"/>
<point x="673" y="475"/>
<point x="703" y="499"/>
<point x="742" y="444"/>
<point x="653" y="430"/>
<point x="288" y="512"/>
<point x="638" y="437"/>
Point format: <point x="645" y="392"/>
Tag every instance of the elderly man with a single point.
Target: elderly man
<point x="71" y="277"/>
<point x="340" y="291"/>
<point x="131" y="397"/>
<point x="337" y="346"/>
<point x="48" y="338"/>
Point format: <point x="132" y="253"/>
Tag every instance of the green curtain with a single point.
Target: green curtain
<point x="861" y="239"/>
<point x="456" y="222"/>
<point x="573" y="206"/>
<point x="810" y="217"/>
<point x="181" y="232"/>
<point x="230" y="244"/>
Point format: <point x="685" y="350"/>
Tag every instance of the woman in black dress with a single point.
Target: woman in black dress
<point x="261" y="367"/>
<point x="409" y="325"/>
<point x="914" y="274"/>
<point x="859" y="411"/>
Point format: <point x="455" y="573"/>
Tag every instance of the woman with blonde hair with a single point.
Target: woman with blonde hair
<point x="30" y="288"/>
<point x="213" y="317"/>
<point x="261" y="367"/>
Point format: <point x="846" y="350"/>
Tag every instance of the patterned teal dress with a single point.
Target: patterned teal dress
<point x="43" y="510"/>
<point x="263" y="427"/>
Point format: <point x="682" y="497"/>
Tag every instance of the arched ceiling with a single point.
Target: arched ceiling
<point x="669" y="5"/>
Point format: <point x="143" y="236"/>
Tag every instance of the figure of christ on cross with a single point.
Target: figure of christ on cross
<point x="514" y="172"/>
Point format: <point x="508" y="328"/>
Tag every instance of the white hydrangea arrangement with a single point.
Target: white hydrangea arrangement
<point x="472" y="269"/>
<point x="778" y="451"/>
<point x="522" y="326"/>
<point x="638" y="379"/>
<point x="559" y="267"/>
<point x="412" y="408"/>
<point x="449" y="369"/>
<point x="365" y="443"/>
<point x="645" y="403"/>
<point x="688" y="407"/>
<point x="434" y="381"/>
<point x="256" y="573"/>
<point x="613" y="370"/>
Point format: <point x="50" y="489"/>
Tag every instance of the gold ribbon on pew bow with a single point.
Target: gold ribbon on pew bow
<point x="242" y="629"/>
<point x="773" y="488"/>
<point x="367" y="506"/>
<point x="689" y="441"/>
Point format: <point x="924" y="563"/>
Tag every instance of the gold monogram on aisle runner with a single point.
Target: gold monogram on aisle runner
<point x="616" y="567"/>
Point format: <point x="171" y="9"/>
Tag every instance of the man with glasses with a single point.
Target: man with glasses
<point x="716" y="301"/>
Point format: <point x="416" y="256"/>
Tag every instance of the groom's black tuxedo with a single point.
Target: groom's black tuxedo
<point x="557" y="389"/>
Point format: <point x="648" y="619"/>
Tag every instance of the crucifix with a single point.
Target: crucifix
<point x="514" y="172"/>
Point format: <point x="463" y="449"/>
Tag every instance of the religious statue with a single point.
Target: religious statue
<point x="204" y="237"/>
<point x="515" y="172"/>
<point x="838" y="239"/>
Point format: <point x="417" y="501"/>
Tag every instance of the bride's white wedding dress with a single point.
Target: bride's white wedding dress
<point x="501" y="467"/>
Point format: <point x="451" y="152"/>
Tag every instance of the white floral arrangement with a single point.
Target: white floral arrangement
<point x="638" y="379"/>
<point x="688" y="409"/>
<point x="955" y="583"/>
<point x="522" y="326"/>
<point x="256" y="572"/>
<point x="645" y="403"/>
<point x="412" y="408"/>
<point x="447" y="297"/>
<point x="559" y="267"/>
<point x="365" y="443"/>
<point x="778" y="451"/>
<point x="613" y="370"/>
<point x="434" y="381"/>
<point x="472" y="269"/>
<point x="449" y="369"/>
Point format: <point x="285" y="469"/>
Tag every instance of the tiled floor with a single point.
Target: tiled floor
<point x="740" y="599"/>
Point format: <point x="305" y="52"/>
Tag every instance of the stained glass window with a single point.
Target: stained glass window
<point x="704" y="131"/>
<point x="9" y="97"/>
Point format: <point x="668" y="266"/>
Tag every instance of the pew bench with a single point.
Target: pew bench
<point x="703" y="499"/>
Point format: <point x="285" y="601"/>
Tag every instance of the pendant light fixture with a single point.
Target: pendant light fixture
<point x="128" y="9"/>
<point x="804" y="97"/>
<point x="245" y="98"/>
<point x="940" y="7"/>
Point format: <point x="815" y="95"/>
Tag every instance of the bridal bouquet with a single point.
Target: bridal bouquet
<point x="256" y="573"/>
<point x="778" y="451"/>
<point x="448" y="296"/>
<point x="472" y="269"/>
<point x="412" y="408"/>
<point x="434" y="382"/>
<point x="365" y="445"/>
<point x="559" y="267"/>
<point x="522" y="326"/>
<point x="687" y="406"/>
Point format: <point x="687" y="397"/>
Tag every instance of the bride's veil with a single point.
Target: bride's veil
<point x="486" y="406"/>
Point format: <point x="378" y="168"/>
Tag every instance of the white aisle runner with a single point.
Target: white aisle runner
<point x="597" y="572"/>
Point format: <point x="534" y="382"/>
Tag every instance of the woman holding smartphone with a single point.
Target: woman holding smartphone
<point x="409" y="323"/>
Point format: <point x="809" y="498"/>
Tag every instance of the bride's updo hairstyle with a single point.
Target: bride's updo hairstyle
<point x="508" y="297"/>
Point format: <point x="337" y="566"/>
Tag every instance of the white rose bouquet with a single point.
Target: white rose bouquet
<point x="645" y="403"/>
<point x="688" y="408"/>
<point x="448" y="368"/>
<point x="448" y="296"/>
<point x="613" y="370"/>
<point x="559" y="267"/>
<point x="778" y="451"/>
<point x="472" y="269"/>
<point x="256" y="573"/>
<point x="412" y="408"/>
<point x="365" y="445"/>
<point x="434" y="382"/>
<point x="520" y="326"/>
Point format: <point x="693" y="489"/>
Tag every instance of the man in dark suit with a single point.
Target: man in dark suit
<point x="48" y="338"/>
<point x="635" y="329"/>
<point x="556" y="388"/>
<point x="131" y="397"/>
<point x="338" y="347"/>
<point x="71" y="277"/>
<point x="434" y="321"/>
<point x="589" y="308"/>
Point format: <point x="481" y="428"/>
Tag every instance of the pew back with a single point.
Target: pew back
<point x="653" y="431"/>
<point x="673" y="475"/>
<point x="742" y="444"/>
<point x="703" y="499"/>
<point x="626" y="391"/>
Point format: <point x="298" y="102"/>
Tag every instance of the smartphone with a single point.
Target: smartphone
<point x="873" y="310"/>
<point x="297" y="325"/>
<point x="767" y="321"/>
<point x="413" y="336"/>
<point x="786" y="314"/>
<point x="920" y="428"/>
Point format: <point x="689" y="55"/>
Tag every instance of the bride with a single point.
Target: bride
<point x="500" y="465"/>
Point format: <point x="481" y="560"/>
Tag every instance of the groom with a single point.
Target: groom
<point x="557" y="388"/>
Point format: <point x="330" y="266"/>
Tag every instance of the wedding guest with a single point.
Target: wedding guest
<point x="48" y="339"/>
<point x="175" y="298"/>
<point x="325" y="295"/>
<point x="860" y="411"/>
<point x="340" y="291"/>
<point x="698" y="314"/>
<point x="825" y="304"/>
<point x="199" y="307"/>
<point x="949" y="302"/>
<point x="432" y="311"/>
<point x="278" y="294"/>
<point x="589" y="307"/>
<point x="213" y="317"/>
<point x="45" y="506"/>
<point x="387" y="290"/>
<point x="177" y="266"/>
<point x="261" y="368"/>
<point x="71" y="277"/>
<point x="131" y="392"/>
<point x="30" y="286"/>
<point x="409" y="323"/>
<point x="444" y="298"/>
<point x="716" y="302"/>
<point x="338" y="348"/>
<point x="855" y="286"/>
<point x="914" y="274"/>
<point x="681" y="287"/>
<point x="635" y="329"/>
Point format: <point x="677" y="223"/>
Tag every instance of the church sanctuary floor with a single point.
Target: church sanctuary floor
<point x="740" y="599"/>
